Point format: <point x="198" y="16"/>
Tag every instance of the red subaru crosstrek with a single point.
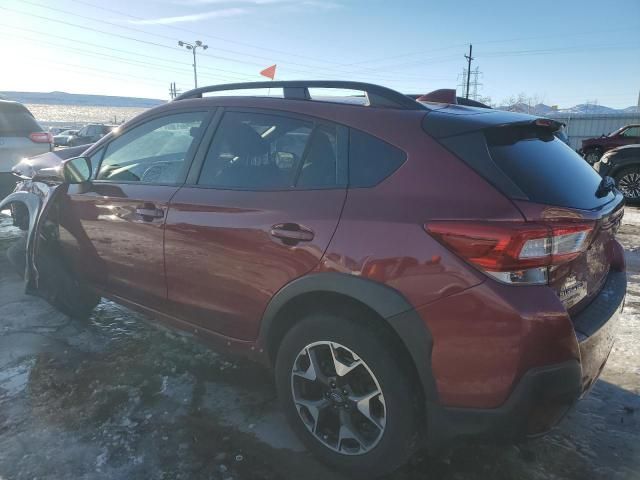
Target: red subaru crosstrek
<point x="414" y="272"/>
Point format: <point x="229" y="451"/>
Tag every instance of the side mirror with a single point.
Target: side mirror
<point x="76" y="170"/>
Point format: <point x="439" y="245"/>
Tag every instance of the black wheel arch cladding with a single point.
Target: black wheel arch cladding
<point x="388" y="303"/>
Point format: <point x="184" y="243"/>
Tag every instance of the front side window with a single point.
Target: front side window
<point x="154" y="152"/>
<point x="256" y="151"/>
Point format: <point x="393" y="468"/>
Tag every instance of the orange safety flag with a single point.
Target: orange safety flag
<point x="269" y="72"/>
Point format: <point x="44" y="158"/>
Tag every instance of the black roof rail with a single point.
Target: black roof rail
<point x="377" y="96"/>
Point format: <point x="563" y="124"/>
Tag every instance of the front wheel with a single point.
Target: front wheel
<point x="347" y="396"/>
<point x="592" y="155"/>
<point x="628" y="182"/>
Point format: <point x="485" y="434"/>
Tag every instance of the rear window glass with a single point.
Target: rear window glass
<point x="16" y="121"/>
<point x="371" y="160"/>
<point x="544" y="168"/>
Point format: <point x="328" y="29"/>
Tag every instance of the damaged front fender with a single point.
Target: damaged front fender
<point x="38" y="199"/>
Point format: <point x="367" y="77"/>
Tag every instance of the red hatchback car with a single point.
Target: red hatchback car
<point x="415" y="273"/>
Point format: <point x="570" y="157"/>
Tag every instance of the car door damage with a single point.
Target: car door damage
<point x="37" y="255"/>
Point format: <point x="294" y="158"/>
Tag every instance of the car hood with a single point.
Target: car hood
<point x="49" y="161"/>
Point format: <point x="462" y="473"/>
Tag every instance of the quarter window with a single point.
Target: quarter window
<point x="256" y="151"/>
<point x="154" y="152"/>
<point x="371" y="160"/>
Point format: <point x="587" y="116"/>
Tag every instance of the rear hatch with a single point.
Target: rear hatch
<point x="552" y="186"/>
<point x="20" y="135"/>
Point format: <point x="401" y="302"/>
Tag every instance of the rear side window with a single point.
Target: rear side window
<point x="16" y="121"/>
<point x="371" y="160"/>
<point x="544" y="168"/>
<point x="257" y="151"/>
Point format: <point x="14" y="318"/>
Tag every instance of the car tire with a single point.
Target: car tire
<point x="339" y="416"/>
<point x="628" y="182"/>
<point x="592" y="155"/>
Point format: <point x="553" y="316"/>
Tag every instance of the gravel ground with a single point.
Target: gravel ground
<point x="116" y="398"/>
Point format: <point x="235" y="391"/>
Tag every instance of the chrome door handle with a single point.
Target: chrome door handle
<point x="291" y="232"/>
<point x="149" y="212"/>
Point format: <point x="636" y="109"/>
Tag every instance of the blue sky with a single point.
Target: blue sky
<point x="562" y="52"/>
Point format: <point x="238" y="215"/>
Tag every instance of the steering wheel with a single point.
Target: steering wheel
<point x="153" y="173"/>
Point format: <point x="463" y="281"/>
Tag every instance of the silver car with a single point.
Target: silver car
<point x="20" y="137"/>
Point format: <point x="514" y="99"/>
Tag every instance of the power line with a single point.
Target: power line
<point x="590" y="33"/>
<point x="182" y="29"/>
<point x="94" y="30"/>
<point x="173" y="39"/>
<point x="102" y="55"/>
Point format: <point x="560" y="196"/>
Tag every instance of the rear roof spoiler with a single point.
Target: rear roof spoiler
<point x="458" y="120"/>
<point x="448" y="96"/>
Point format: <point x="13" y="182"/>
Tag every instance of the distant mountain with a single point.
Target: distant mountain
<point x="63" y="98"/>
<point x="589" y="108"/>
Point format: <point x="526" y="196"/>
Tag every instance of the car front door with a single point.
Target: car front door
<point x="261" y="203"/>
<point x="112" y="229"/>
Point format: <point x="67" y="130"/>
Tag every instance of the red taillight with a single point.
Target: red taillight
<point x="511" y="251"/>
<point x="41" y="137"/>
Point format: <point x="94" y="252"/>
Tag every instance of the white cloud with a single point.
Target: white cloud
<point x="222" y="13"/>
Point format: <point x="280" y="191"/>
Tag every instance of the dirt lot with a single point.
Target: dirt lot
<point x="116" y="398"/>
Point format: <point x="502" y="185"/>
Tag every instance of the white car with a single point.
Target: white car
<point x="20" y="137"/>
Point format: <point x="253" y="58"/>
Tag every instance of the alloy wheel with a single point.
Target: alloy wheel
<point x="629" y="185"/>
<point x="338" y="398"/>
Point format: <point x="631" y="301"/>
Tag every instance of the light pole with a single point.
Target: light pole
<point x="193" y="47"/>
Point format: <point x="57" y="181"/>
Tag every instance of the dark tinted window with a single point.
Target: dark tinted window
<point x="544" y="168"/>
<point x="256" y="151"/>
<point x="319" y="167"/>
<point x="371" y="160"/>
<point x="15" y="120"/>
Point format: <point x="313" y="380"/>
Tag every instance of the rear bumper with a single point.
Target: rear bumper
<point x="539" y="401"/>
<point x="596" y="327"/>
<point x="544" y="394"/>
<point x="7" y="183"/>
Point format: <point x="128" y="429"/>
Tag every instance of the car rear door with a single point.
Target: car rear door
<point x="261" y="204"/>
<point x="113" y="228"/>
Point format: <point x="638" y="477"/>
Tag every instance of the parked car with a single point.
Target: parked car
<point x="593" y="148"/>
<point x="20" y="137"/>
<point x="90" y="134"/>
<point x="623" y="165"/>
<point x="58" y="130"/>
<point x="62" y="139"/>
<point x="396" y="309"/>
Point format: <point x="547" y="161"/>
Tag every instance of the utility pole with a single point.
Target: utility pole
<point x="193" y="47"/>
<point x="469" y="58"/>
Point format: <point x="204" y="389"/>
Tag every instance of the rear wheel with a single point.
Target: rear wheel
<point x="346" y="395"/>
<point x="592" y="155"/>
<point x="628" y="181"/>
